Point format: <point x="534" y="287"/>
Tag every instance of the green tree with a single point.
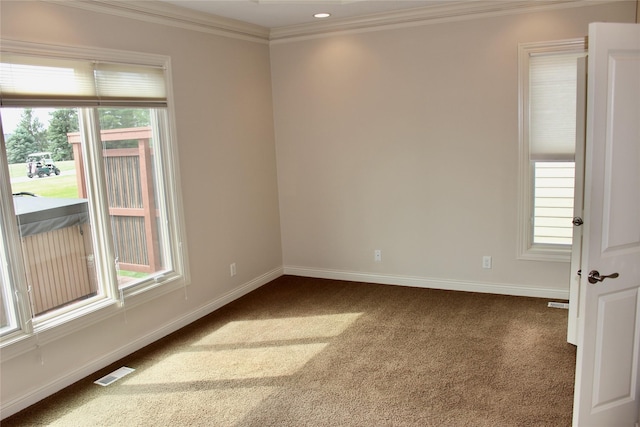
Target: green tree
<point x="29" y="137"/>
<point x="120" y="118"/>
<point x="62" y="122"/>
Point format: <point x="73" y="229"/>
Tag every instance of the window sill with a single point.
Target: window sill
<point x="58" y="327"/>
<point x="546" y="253"/>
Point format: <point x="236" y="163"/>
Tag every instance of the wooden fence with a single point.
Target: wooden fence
<point x="130" y="192"/>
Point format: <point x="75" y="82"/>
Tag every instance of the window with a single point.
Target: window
<point x="91" y="213"/>
<point x="553" y="202"/>
<point x="548" y="92"/>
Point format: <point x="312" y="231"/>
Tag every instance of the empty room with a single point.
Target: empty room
<point x="269" y="218"/>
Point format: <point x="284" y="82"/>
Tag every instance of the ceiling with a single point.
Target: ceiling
<point x="279" y="20"/>
<point x="284" y="13"/>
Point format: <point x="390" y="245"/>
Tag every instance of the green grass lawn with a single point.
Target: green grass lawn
<point x="61" y="186"/>
<point x="134" y="274"/>
<point x="20" y="169"/>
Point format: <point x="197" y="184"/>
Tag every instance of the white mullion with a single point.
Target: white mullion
<point x="158" y="131"/>
<point x="168" y="185"/>
<point x="98" y="203"/>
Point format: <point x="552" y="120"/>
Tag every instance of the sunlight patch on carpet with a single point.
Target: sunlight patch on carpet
<point x="232" y="364"/>
<point x="288" y="328"/>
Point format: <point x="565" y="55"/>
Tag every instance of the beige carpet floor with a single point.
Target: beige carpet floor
<point x="312" y="352"/>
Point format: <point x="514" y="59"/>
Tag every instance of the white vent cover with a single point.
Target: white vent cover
<point x="558" y="305"/>
<point x="114" y="376"/>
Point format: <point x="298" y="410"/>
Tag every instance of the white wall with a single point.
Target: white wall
<point x="406" y="140"/>
<point x="227" y="159"/>
<point x="369" y="129"/>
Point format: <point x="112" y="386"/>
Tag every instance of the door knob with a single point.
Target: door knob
<point x="577" y="221"/>
<point x="595" y="277"/>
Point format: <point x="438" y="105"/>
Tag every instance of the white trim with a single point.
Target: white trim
<point x="11" y="407"/>
<point x="429" y="283"/>
<point x="435" y="14"/>
<point x="168" y="14"/>
<point x="83" y="52"/>
<point x="63" y="322"/>
<point x="158" y="12"/>
<point x="526" y="250"/>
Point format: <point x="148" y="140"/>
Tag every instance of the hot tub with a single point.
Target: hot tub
<point x="57" y="250"/>
<point x="44" y="214"/>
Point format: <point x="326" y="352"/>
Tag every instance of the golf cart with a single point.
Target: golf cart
<point x="41" y="164"/>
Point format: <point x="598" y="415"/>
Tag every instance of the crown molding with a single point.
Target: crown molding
<point x="454" y="10"/>
<point x="438" y="13"/>
<point x="168" y="14"/>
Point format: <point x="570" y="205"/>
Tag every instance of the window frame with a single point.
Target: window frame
<point x="526" y="248"/>
<point x="49" y="328"/>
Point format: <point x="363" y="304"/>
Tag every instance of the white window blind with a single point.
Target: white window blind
<point x="553" y="202"/>
<point x="35" y="81"/>
<point x="552" y="106"/>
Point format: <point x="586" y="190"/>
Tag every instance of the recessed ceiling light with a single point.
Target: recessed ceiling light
<point x="322" y="15"/>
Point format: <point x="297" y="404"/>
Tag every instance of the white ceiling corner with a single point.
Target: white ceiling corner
<point x="282" y="20"/>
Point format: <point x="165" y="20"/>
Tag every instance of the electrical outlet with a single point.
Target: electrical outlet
<point x="377" y="255"/>
<point x="486" y="261"/>
<point x="232" y="269"/>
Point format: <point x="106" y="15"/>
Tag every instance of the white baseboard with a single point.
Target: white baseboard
<point x="425" y="282"/>
<point x="9" y="408"/>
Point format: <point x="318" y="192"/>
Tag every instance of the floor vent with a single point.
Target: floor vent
<point x="564" y="305"/>
<point x="114" y="376"/>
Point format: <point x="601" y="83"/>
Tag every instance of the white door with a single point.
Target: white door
<point x="578" y="203"/>
<point x="607" y="389"/>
